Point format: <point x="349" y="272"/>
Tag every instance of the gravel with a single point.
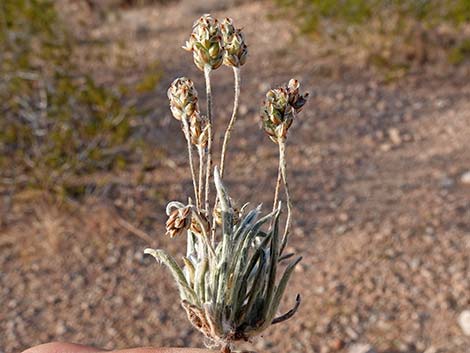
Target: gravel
<point x="383" y="232"/>
<point x="464" y="322"/>
<point x="465" y="178"/>
<point x="361" y="348"/>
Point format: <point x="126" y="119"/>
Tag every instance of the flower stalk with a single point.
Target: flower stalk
<point x="200" y="151"/>
<point x="233" y="118"/>
<point x="278" y="185"/>
<point x="283" y="172"/>
<point x="190" y="157"/>
<point x="207" y="77"/>
<point x="184" y="107"/>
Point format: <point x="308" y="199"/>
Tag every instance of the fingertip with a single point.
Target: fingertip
<point x="61" y="347"/>
<point x="164" y="350"/>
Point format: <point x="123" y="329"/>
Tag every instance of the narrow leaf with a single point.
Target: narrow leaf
<point x="190" y="270"/>
<point x="290" y="313"/>
<point x="282" y="287"/>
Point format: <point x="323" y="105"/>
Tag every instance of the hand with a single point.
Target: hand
<point x="59" y="347"/>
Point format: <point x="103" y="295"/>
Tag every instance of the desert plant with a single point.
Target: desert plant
<point x="393" y="36"/>
<point x="312" y="12"/>
<point x="66" y="138"/>
<point x="228" y="284"/>
<point x="56" y="121"/>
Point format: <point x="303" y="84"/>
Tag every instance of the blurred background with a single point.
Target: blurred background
<point x="379" y="168"/>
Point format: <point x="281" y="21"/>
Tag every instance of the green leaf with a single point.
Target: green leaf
<point x="281" y="288"/>
<point x="273" y="261"/>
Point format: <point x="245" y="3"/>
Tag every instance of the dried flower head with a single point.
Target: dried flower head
<point x="183" y="98"/>
<point x="199" y="131"/>
<point x="279" y="109"/>
<point x="199" y="223"/>
<point x="235" y="47"/>
<point x="205" y="43"/>
<point x="296" y="100"/>
<point x="179" y="218"/>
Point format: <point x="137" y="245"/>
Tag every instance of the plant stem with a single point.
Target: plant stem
<point x="201" y="172"/>
<point x="283" y="168"/>
<point x="207" y="71"/>
<point x="236" y="74"/>
<point x="190" y="153"/>
<point x="278" y="187"/>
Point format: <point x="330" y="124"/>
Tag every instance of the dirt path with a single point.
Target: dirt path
<point x="382" y="216"/>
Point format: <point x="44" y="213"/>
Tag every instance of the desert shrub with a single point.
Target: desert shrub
<point x="358" y="11"/>
<point x="114" y="4"/>
<point x="460" y="52"/>
<point x="56" y="122"/>
<point x="393" y="33"/>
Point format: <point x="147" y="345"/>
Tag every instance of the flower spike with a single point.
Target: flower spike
<point x="205" y="43"/>
<point x="235" y="47"/>
<point x="279" y="109"/>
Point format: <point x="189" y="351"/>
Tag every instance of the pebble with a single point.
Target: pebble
<point x="243" y="110"/>
<point x="464" y="322"/>
<point x="385" y="147"/>
<point x="361" y="348"/>
<point x="264" y="86"/>
<point x="351" y="333"/>
<point x="337" y="344"/>
<point x="60" y="328"/>
<point x="431" y="349"/>
<point x="394" y="135"/>
<point x="465" y="178"/>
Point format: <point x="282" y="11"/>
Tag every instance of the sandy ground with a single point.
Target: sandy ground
<point x="382" y="212"/>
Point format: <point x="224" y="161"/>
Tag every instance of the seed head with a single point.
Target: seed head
<point x="279" y="109"/>
<point x="205" y="43"/>
<point x="179" y="218"/>
<point x="235" y="47"/>
<point x="200" y="224"/>
<point x="199" y="129"/>
<point x="296" y="100"/>
<point x="183" y="98"/>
